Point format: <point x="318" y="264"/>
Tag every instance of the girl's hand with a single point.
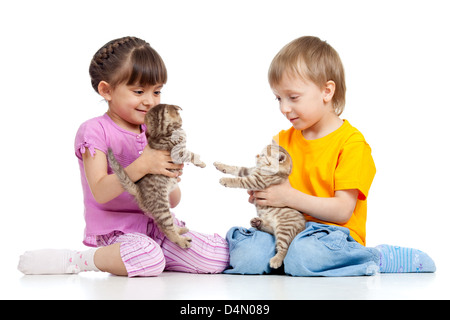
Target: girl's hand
<point x="159" y="162"/>
<point x="105" y="187"/>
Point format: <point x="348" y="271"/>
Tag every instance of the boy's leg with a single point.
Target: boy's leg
<point x="325" y="250"/>
<point x="250" y="251"/>
<point x="396" y="259"/>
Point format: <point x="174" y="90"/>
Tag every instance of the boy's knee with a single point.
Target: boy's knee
<point x="249" y="262"/>
<point x="301" y="257"/>
<point x="250" y="251"/>
<point x="328" y="252"/>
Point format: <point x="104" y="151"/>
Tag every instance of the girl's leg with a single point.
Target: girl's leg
<point x="108" y="259"/>
<point x="57" y="261"/>
<point x="132" y="254"/>
<point x="54" y="261"/>
<point x="207" y="254"/>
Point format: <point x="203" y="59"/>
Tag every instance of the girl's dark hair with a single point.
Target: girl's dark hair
<point x="127" y="60"/>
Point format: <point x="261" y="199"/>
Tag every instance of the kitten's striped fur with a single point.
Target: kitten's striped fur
<point x="164" y="132"/>
<point x="273" y="166"/>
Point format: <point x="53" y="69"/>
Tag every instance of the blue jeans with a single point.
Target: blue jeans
<point x="320" y="250"/>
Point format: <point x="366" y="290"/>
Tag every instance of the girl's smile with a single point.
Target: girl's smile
<point x="128" y="104"/>
<point x="143" y="111"/>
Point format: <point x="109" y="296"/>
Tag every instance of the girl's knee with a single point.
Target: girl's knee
<point x="152" y="262"/>
<point x="212" y="267"/>
<point x="142" y="256"/>
<point x="208" y="254"/>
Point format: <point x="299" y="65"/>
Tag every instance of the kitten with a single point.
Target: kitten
<point x="273" y="166"/>
<point x="152" y="191"/>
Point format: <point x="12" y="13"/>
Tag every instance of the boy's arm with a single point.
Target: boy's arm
<point x="337" y="209"/>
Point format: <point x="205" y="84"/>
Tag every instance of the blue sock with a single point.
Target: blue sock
<point x="394" y="259"/>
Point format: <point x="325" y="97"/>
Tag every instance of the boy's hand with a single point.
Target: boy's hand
<point x="336" y="209"/>
<point x="273" y="196"/>
<point x="158" y="162"/>
<point x="252" y="198"/>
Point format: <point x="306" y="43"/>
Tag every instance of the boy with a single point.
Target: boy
<point x="332" y="173"/>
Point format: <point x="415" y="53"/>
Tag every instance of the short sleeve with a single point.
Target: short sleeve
<point x="355" y="168"/>
<point x="90" y="136"/>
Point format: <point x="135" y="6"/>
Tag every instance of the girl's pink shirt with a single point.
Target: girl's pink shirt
<point x="121" y="213"/>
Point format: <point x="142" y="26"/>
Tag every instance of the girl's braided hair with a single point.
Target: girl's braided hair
<point x="127" y="60"/>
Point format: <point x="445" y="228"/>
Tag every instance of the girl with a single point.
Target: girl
<point x="129" y="75"/>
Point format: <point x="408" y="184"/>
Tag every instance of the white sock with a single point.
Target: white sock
<point x="57" y="261"/>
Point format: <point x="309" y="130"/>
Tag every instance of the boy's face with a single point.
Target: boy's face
<point x="302" y="102"/>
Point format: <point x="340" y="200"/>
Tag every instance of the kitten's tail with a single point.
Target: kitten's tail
<point x="124" y="179"/>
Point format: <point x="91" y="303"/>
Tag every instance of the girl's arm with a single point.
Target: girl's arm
<point x="337" y="209"/>
<point x="175" y="196"/>
<point x="105" y="187"/>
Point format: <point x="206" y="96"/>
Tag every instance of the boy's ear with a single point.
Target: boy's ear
<point x="104" y="89"/>
<point x="328" y="91"/>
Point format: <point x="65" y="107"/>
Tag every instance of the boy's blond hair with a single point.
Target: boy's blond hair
<point x="314" y="60"/>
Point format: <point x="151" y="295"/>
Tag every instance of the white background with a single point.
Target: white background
<point x="396" y="58"/>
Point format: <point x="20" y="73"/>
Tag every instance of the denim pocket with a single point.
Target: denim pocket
<point x="334" y="240"/>
<point x="238" y="234"/>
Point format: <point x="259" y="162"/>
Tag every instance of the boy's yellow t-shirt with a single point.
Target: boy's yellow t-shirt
<point x="339" y="161"/>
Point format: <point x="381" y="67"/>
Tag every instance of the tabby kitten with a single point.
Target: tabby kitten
<point x="273" y="166"/>
<point x="151" y="192"/>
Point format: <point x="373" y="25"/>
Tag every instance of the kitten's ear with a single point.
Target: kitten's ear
<point x="178" y="108"/>
<point x="274" y="143"/>
<point x="282" y="157"/>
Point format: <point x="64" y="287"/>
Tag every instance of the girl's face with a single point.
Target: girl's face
<point x="302" y="102"/>
<point x="128" y="104"/>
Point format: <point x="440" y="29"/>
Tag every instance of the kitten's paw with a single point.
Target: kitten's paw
<point x="182" y="230"/>
<point x="276" y="262"/>
<point x="184" y="242"/>
<point x="200" y="164"/>
<point x="256" y="223"/>
<point x="225" y="182"/>
<point x="220" y="166"/>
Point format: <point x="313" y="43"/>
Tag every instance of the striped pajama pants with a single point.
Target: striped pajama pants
<point x="149" y="255"/>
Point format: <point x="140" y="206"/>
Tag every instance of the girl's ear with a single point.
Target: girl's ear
<point x="328" y="91"/>
<point x="104" y="89"/>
